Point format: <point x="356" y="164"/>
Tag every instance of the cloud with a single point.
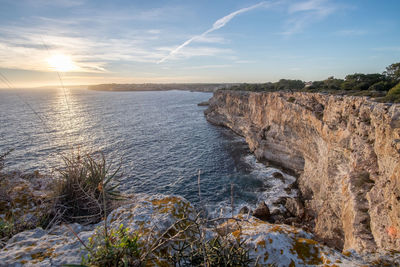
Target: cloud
<point x="311" y="5"/>
<point x="305" y="13"/>
<point x="221" y="66"/>
<point x="388" y="49"/>
<point x="245" y="61"/>
<point x="57" y="3"/>
<point x="217" y="25"/>
<point x="351" y="32"/>
<point x="25" y="47"/>
<point x="200" y="51"/>
<point x="212" y="39"/>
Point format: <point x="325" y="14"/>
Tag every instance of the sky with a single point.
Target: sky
<point x="128" y="41"/>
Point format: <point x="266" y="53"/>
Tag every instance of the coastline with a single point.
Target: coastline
<point x="332" y="152"/>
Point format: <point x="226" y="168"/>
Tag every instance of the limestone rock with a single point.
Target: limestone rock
<point x="295" y="207"/>
<point x="203" y="104"/>
<point x="344" y="149"/>
<point x="151" y="216"/>
<point x="24" y="198"/>
<point x="283" y="245"/>
<point x="262" y="212"/>
<point x="146" y="214"/>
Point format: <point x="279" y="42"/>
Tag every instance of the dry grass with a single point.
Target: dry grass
<point x="86" y="191"/>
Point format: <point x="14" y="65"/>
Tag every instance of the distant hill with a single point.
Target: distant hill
<point x="199" y="87"/>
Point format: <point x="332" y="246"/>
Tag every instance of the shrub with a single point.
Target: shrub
<point x="394" y="94"/>
<point x="6" y="231"/>
<point x="85" y="193"/>
<point x="114" y="248"/>
<point x="184" y="243"/>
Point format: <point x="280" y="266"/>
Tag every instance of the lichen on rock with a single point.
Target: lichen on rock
<point x="152" y="216"/>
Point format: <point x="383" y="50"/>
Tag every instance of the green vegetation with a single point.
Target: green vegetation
<point x="382" y="87"/>
<point x="282" y="85"/>
<point x="183" y="244"/>
<point x="6" y="229"/>
<point x="394" y="94"/>
<point x="86" y="191"/>
<point x="113" y="248"/>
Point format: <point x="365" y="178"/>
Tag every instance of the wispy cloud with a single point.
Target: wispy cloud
<point x="305" y="13"/>
<point x="220" y="66"/>
<point x="217" y="25"/>
<point x="89" y="53"/>
<point x="388" y="49"/>
<point x="351" y="32"/>
<point x="201" y="51"/>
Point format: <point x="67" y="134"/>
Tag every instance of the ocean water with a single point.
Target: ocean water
<point x="161" y="139"/>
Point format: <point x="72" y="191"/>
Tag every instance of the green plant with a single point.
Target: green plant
<point x="6" y="229"/>
<point x="113" y="248"/>
<point x="394" y="94"/>
<point x="85" y="192"/>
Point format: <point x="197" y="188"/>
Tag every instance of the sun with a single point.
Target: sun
<point x="62" y="63"/>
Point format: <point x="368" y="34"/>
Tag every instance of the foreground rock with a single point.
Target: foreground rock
<point x="262" y="212"/>
<point x="346" y="151"/>
<point x="24" y="198"/>
<point x="203" y="104"/>
<point x="151" y="216"/>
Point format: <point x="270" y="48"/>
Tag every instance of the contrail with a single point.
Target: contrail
<point x="217" y="25"/>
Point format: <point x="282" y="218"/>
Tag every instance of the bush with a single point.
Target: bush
<point x="394" y="94"/>
<point x="6" y="231"/>
<point x="184" y="243"/>
<point x="114" y="248"/>
<point x="85" y="193"/>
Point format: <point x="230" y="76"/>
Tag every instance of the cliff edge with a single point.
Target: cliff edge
<point x="345" y="150"/>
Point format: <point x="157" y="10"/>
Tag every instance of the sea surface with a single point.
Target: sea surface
<point x="161" y="138"/>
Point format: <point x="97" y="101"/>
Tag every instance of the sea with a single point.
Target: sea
<point x="161" y="140"/>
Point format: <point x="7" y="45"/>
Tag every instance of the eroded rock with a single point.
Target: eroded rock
<point x="295" y="207"/>
<point x="151" y="216"/>
<point x="262" y="212"/>
<point x="344" y="149"/>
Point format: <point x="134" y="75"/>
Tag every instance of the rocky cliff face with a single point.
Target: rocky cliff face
<point x="346" y="151"/>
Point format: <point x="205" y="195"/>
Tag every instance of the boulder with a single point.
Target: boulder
<point x="262" y="212"/>
<point x="245" y="210"/>
<point x="295" y="207"/>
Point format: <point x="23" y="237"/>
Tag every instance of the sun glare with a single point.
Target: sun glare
<point x="61" y="63"/>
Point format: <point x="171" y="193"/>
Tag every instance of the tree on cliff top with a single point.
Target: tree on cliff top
<point x="393" y="71"/>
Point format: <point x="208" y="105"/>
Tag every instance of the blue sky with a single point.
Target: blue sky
<point x="92" y="42"/>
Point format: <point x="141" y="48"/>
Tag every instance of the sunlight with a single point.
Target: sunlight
<point x="62" y="63"/>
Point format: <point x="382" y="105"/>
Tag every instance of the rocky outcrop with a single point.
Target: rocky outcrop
<point x="24" y="199"/>
<point x="345" y="150"/>
<point x="151" y="216"/>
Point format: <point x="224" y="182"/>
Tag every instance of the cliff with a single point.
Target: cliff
<point x="345" y="150"/>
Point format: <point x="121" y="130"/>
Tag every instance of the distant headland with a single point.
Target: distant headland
<point x="198" y="87"/>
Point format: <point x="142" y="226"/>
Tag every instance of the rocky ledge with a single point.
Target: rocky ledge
<point x="152" y="216"/>
<point x="345" y="151"/>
